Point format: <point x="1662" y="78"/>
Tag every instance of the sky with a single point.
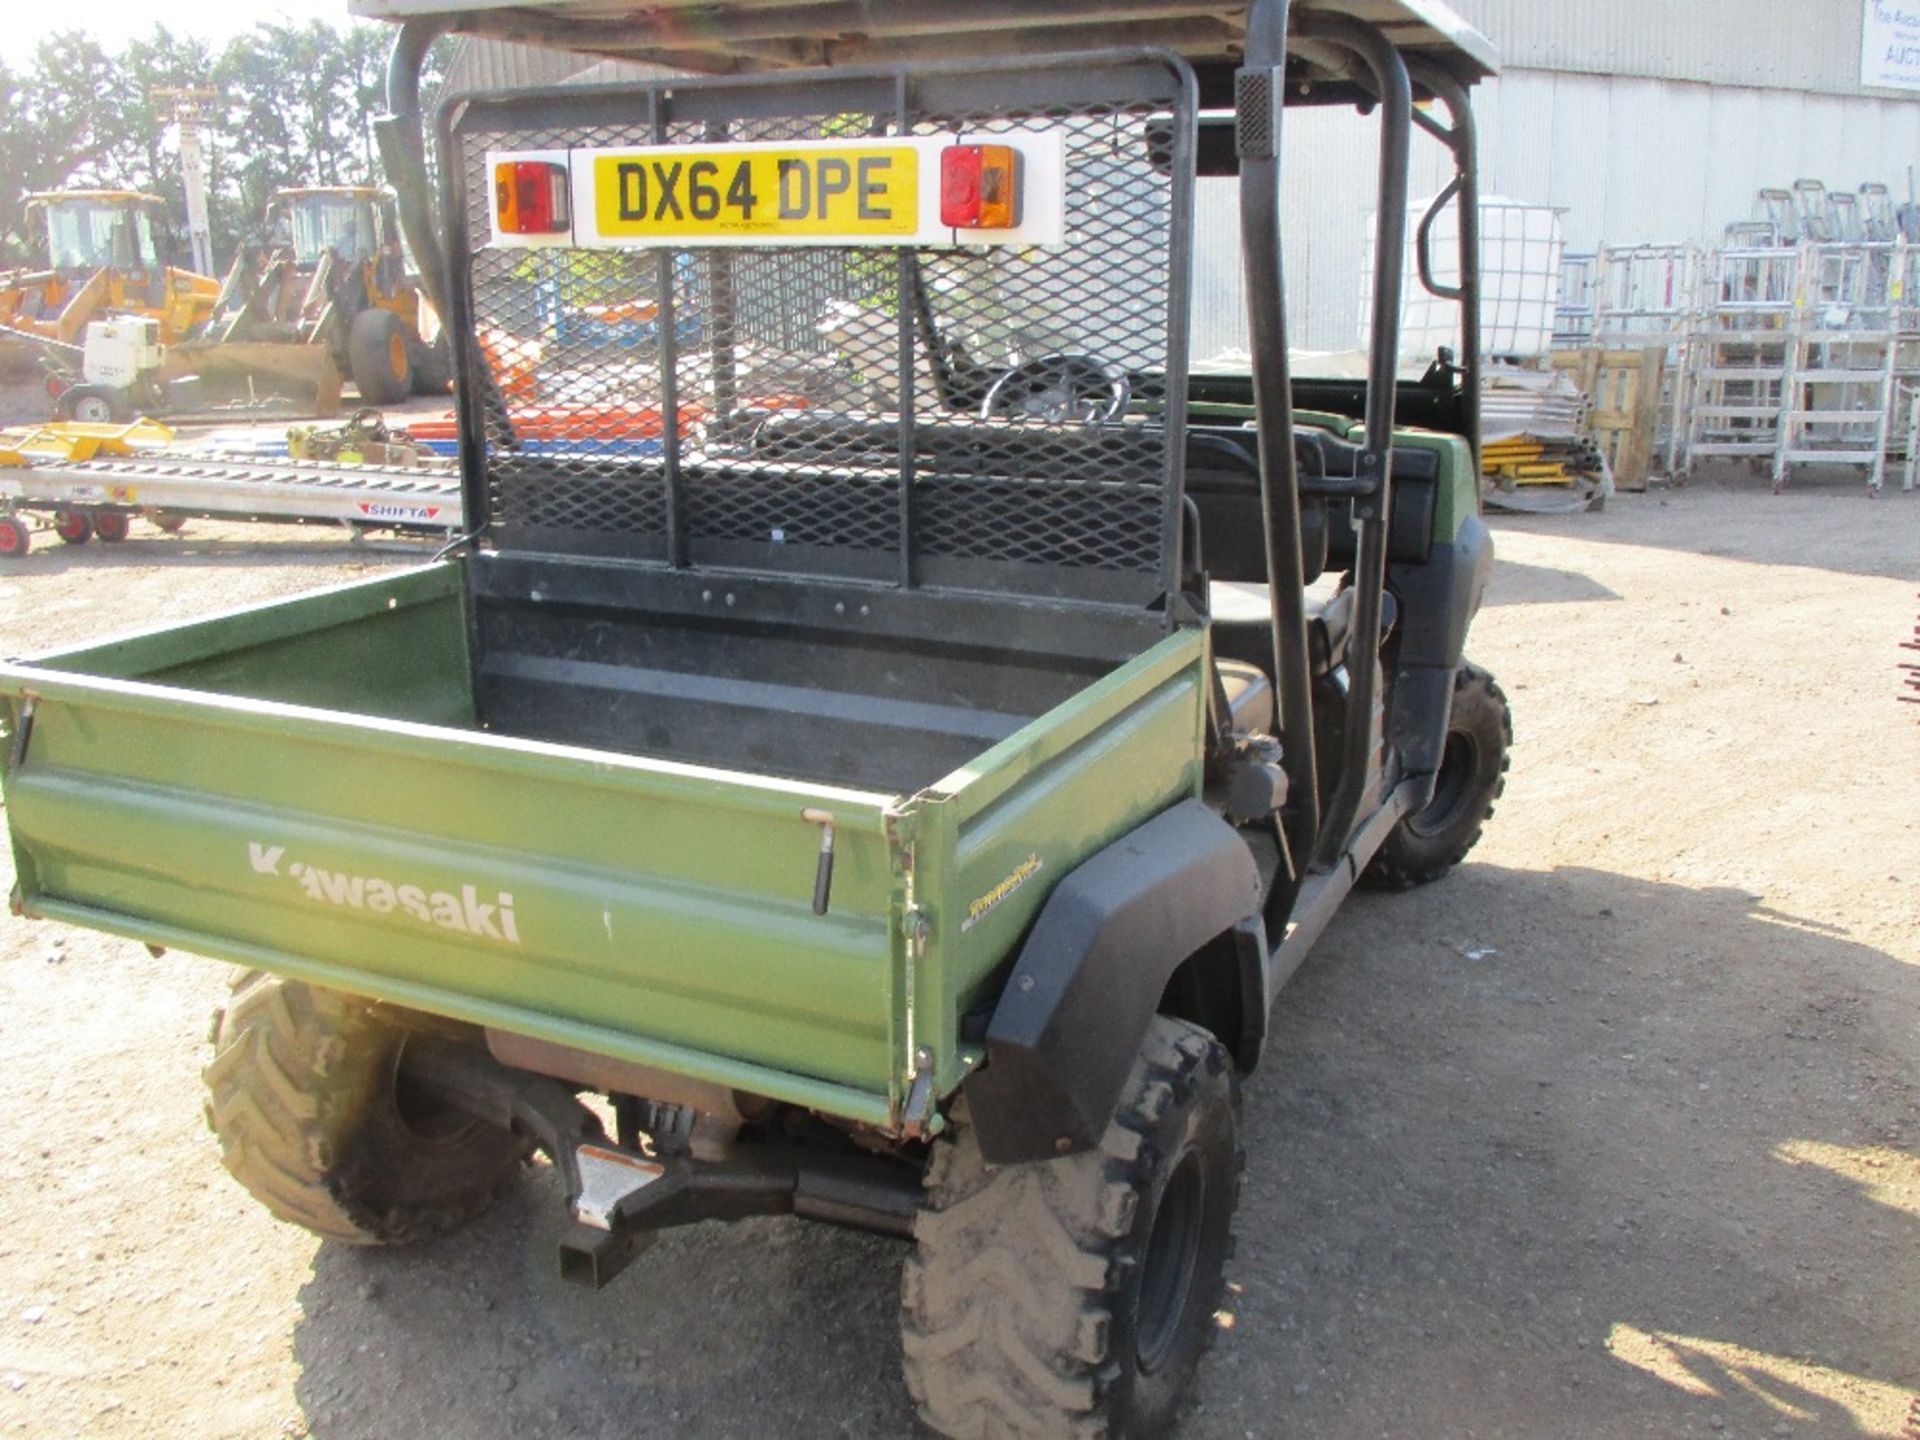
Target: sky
<point x="114" y="22"/>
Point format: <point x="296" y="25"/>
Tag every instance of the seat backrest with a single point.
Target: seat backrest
<point x="1223" y="482"/>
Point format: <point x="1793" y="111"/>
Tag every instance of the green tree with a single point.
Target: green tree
<point x="46" y="138"/>
<point x="296" y="107"/>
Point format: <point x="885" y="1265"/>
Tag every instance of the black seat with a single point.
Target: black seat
<point x="1243" y="651"/>
<point x="1242" y="626"/>
<point x="1223" y="482"/>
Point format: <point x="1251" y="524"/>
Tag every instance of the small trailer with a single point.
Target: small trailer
<point x="89" y="482"/>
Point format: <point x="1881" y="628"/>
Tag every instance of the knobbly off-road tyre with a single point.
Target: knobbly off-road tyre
<point x="1075" y="1296"/>
<point x="302" y="1093"/>
<point x="1473" y="775"/>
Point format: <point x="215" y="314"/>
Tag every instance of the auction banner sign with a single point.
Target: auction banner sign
<point x="1890" y="45"/>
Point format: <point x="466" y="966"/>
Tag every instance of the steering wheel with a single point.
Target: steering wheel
<point x="1059" y="388"/>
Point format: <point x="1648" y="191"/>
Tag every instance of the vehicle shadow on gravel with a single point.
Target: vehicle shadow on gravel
<point x="1532" y="1153"/>
<point x="766" y="1327"/>
<point x="1517" y="584"/>
<point x="1566" y="1152"/>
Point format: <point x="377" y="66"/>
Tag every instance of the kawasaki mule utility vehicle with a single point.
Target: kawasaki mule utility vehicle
<point x="825" y="745"/>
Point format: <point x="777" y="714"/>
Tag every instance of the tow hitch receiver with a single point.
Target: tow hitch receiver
<point x="607" y="1177"/>
<point x="624" y="1199"/>
<point x="600" y="1247"/>
<point x="591" y="1257"/>
<point x="620" y="1198"/>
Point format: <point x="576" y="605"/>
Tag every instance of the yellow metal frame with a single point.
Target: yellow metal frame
<point x="26" y="445"/>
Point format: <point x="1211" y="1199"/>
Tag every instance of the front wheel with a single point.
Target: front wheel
<point x="1473" y="775"/>
<point x="305" y="1094"/>
<point x="1075" y="1295"/>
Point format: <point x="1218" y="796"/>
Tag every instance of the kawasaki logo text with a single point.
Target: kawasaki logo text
<point x="465" y="912"/>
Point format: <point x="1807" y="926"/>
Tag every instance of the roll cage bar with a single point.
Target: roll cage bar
<point x="1255" y="59"/>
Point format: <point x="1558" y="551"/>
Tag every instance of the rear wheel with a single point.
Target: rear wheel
<point x="73" y="526"/>
<point x="433" y="366"/>
<point x="1473" y="775"/>
<point x="379" y="357"/>
<point x="306" y="1097"/>
<point x="1075" y="1296"/>
<point x="111" y="525"/>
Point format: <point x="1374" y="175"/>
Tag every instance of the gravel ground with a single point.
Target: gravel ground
<point x="1615" y="1132"/>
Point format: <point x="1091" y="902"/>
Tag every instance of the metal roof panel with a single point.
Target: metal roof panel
<point x="743" y="36"/>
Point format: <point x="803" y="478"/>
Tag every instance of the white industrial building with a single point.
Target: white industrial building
<point x="1639" y="121"/>
<point x="1650" y="120"/>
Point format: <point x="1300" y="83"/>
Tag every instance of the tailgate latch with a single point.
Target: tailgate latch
<point x="823" y="872"/>
<point x="22" y="733"/>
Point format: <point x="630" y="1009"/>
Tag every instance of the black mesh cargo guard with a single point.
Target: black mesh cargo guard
<point x="947" y="417"/>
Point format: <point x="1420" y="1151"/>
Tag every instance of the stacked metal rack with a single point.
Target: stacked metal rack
<point x="1738" y="333"/>
<point x="1906" y="359"/>
<point x="1842" y="356"/>
<point x="1575" y="313"/>
<point x="1796" y="342"/>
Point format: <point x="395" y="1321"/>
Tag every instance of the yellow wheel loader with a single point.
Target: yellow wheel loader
<point x="328" y="271"/>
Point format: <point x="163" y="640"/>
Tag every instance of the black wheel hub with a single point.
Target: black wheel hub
<point x="1166" y="1281"/>
<point x="1451" y="786"/>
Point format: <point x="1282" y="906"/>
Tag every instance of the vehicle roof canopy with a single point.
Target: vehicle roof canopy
<point x="300" y="192"/>
<point x="747" y="36"/>
<point x="97" y="197"/>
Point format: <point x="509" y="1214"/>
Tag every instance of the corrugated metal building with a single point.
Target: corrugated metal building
<point x="1649" y="120"/>
<point x="1640" y="120"/>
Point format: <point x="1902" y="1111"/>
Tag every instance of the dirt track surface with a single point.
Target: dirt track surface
<point x="1614" y="1133"/>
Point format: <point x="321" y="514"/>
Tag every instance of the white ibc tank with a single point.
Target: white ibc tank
<point x="1520" y="248"/>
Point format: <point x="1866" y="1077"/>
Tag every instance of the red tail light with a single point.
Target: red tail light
<point x="979" y="187"/>
<point x="530" y="197"/>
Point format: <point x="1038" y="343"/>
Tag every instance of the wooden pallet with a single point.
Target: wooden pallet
<point x="1623" y="386"/>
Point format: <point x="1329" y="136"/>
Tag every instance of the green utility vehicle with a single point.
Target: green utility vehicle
<point x="832" y="744"/>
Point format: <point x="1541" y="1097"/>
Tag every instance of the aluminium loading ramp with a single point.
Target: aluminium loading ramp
<point x="242" y="488"/>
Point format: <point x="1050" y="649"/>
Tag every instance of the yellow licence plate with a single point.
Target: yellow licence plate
<point x="683" y="192"/>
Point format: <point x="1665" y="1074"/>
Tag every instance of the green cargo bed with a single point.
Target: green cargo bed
<point x="329" y="788"/>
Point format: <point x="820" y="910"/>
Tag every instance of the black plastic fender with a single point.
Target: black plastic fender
<point x="1090" y="976"/>
<point x="1438" y="601"/>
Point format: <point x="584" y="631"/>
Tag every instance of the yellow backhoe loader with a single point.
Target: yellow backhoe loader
<point x="107" y="253"/>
